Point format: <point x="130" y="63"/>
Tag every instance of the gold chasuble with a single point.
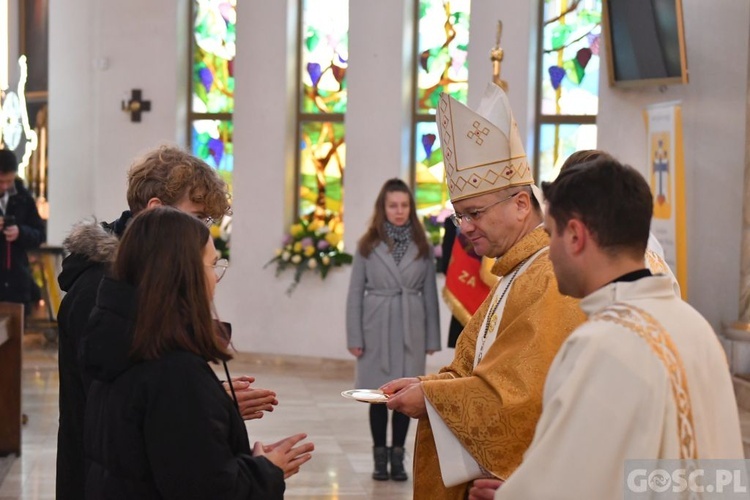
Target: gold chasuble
<point x="493" y="408"/>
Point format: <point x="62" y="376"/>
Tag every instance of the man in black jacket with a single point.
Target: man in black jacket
<point x="22" y="230"/>
<point x="164" y="176"/>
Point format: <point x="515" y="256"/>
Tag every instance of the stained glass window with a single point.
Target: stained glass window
<point x="212" y="83"/>
<point x="569" y="82"/>
<point x="321" y="160"/>
<point x="322" y="153"/>
<point x="441" y="47"/>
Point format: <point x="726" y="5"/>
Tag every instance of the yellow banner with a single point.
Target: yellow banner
<point x="666" y="176"/>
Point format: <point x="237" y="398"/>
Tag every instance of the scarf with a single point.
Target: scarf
<point x="400" y="237"/>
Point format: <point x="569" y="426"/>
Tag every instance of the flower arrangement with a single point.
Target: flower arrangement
<point x="312" y="244"/>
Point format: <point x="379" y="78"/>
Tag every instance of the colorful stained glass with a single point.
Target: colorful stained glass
<point x="212" y="141"/>
<point x="430" y="189"/>
<point x="570" y="58"/>
<point x="322" y="160"/>
<point x="557" y="142"/>
<point x="325" y="55"/>
<point x="442" y="52"/>
<point x="213" y="56"/>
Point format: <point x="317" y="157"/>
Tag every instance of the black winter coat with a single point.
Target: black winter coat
<point x="91" y="248"/>
<point x="15" y="275"/>
<point x="165" y="428"/>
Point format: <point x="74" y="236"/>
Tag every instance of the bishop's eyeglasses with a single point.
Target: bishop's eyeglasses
<point x="475" y="215"/>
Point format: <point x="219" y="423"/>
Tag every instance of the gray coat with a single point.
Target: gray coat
<point x="392" y="312"/>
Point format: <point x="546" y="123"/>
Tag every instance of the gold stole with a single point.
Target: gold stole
<point x="645" y="326"/>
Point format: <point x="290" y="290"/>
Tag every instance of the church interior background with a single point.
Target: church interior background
<point x="306" y="107"/>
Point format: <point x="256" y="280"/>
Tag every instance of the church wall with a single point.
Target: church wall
<point x="92" y="142"/>
<point x="713" y="108"/>
<point x="100" y="50"/>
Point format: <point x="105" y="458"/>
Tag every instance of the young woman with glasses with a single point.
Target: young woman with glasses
<point x="158" y="422"/>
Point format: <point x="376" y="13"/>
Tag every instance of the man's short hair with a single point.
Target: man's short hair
<point x="169" y="174"/>
<point x="613" y="201"/>
<point x="8" y="162"/>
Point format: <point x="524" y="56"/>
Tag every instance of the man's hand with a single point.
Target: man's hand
<point x="356" y="351"/>
<point x="394" y="386"/>
<point x="409" y="401"/>
<point x="284" y="455"/>
<point x="484" y="489"/>
<point x="252" y="402"/>
<point x="11" y="233"/>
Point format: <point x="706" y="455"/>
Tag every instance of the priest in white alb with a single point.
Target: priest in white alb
<point x="644" y="378"/>
<point x="477" y="415"/>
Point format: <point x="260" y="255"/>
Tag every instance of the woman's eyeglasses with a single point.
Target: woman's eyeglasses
<point x="220" y="267"/>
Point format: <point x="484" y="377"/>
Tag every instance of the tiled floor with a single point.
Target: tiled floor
<point x="309" y="401"/>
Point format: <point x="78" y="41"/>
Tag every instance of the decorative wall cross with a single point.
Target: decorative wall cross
<point x="136" y="105"/>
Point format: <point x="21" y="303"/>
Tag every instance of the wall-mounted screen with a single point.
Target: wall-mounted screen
<point x="645" y="42"/>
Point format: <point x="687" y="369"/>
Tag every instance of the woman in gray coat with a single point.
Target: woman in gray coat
<point x="392" y="318"/>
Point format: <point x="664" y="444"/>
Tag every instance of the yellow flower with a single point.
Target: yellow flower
<point x="326" y="260"/>
<point x="339" y="229"/>
<point x="309" y="251"/>
<point x="316" y="224"/>
<point x="333" y="239"/>
<point x="215" y="231"/>
<point x="296" y="229"/>
<point x="278" y="252"/>
<point x="297" y="247"/>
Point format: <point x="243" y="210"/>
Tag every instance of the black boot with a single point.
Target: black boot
<point x="397" y="464"/>
<point x="380" y="455"/>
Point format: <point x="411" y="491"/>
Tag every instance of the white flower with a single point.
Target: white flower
<point x="312" y="263"/>
<point x="285" y="256"/>
<point x="278" y="252"/>
<point x="322" y="230"/>
<point x="326" y="260"/>
<point x="296" y="259"/>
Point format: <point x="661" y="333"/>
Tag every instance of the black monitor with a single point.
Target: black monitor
<point x="645" y="42"/>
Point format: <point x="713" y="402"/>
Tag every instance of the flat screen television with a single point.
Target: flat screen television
<point x="645" y="42"/>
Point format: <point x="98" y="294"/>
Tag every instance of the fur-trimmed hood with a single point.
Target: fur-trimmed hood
<point x="90" y="244"/>
<point x="91" y="240"/>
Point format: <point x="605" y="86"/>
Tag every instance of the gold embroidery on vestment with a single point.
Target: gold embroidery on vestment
<point x="645" y="326"/>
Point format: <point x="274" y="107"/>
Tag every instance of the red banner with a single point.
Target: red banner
<point x="465" y="291"/>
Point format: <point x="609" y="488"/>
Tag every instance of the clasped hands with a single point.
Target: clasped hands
<point x="253" y="402"/>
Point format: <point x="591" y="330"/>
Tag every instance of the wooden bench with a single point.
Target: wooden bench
<point x="11" y="332"/>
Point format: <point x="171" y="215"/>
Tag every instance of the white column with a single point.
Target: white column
<point x="518" y="42"/>
<point x="378" y="120"/>
<point x="72" y="126"/>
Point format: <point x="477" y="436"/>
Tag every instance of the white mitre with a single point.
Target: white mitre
<point x="482" y="150"/>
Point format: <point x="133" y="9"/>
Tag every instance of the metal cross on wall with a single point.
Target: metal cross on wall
<point x="136" y="105"/>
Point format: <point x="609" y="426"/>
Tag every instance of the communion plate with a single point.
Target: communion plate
<point x="366" y="395"/>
